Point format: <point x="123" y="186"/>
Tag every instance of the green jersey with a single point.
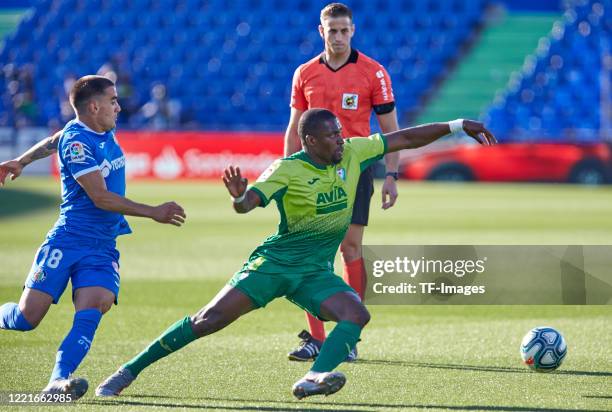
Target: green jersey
<point x="315" y="204"/>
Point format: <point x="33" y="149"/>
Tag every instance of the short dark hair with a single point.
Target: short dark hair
<point x="87" y="87"/>
<point x="336" y="10"/>
<point x="312" y="121"/>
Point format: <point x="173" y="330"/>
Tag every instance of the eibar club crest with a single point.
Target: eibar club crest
<point x="341" y="173"/>
<point x="350" y="101"/>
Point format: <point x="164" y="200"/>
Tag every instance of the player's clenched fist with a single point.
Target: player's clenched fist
<point x="169" y="212"/>
<point x="11" y="167"/>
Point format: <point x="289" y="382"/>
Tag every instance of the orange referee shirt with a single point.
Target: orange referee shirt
<point x="350" y="92"/>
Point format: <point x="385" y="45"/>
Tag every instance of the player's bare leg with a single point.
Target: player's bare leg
<point x="32" y="308"/>
<point x="346" y="309"/>
<point x="227" y="306"/>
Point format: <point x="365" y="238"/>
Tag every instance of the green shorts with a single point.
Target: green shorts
<point x="307" y="291"/>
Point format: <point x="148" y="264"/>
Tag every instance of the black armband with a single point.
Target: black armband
<point x="384" y="108"/>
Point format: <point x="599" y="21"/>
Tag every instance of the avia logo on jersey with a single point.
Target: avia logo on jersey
<point x="331" y="201"/>
<point x="77" y="152"/>
<point x="350" y="101"/>
<point x="106" y="167"/>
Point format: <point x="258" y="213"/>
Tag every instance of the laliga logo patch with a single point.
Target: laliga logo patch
<point x="77" y="152"/>
<point x="39" y="275"/>
<point x="350" y="101"/>
<point x="380" y="74"/>
<point x="268" y="172"/>
<point x="341" y="173"/>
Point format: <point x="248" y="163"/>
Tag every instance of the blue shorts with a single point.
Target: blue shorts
<point x="85" y="261"/>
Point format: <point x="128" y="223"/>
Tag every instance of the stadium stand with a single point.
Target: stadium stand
<point x="500" y="49"/>
<point x="226" y="64"/>
<point x="561" y="89"/>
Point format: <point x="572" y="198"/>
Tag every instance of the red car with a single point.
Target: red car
<point x="516" y="162"/>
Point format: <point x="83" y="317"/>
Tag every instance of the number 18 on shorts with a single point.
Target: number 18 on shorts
<point x="85" y="262"/>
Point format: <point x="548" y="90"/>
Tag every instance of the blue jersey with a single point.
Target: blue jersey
<point x="81" y="151"/>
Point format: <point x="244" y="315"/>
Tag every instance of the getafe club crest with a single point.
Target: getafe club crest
<point x="39" y="275"/>
<point x="341" y="173"/>
<point x="350" y="101"/>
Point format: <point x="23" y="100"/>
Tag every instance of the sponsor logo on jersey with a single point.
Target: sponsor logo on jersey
<point x="313" y="181"/>
<point x="384" y="89"/>
<point x="350" y="101"/>
<point x="106" y="167"/>
<point x="77" y="152"/>
<point x="102" y="145"/>
<point x="39" y="275"/>
<point x="331" y="201"/>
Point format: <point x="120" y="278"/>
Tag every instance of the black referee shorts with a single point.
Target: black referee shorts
<point x="365" y="190"/>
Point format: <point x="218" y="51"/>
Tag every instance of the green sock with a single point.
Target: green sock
<point x="337" y="346"/>
<point x="173" y="339"/>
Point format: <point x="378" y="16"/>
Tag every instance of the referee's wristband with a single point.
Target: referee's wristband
<point x="456" y="126"/>
<point x="240" y="198"/>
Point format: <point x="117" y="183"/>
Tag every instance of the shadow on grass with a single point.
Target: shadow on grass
<point x="475" y="368"/>
<point x="255" y="407"/>
<point x="15" y="202"/>
<point x="597" y="396"/>
<point x="317" y="406"/>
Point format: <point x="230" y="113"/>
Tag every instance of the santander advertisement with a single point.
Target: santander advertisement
<point x="197" y="155"/>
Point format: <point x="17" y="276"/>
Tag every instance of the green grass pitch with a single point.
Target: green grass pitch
<point x="412" y="357"/>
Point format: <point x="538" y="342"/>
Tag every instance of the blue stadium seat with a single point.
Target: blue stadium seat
<point x="564" y="81"/>
<point x="220" y="64"/>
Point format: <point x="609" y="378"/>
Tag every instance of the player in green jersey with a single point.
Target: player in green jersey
<point x="314" y="191"/>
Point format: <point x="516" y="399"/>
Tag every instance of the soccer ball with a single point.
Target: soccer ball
<point x="543" y="349"/>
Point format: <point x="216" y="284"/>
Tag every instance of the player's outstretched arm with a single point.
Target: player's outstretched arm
<point x="95" y="187"/>
<point x="40" y="150"/>
<point x="244" y="200"/>
<point x="425" y="134"/>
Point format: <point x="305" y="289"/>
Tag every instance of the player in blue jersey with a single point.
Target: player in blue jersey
<point x="81" y="245"/>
